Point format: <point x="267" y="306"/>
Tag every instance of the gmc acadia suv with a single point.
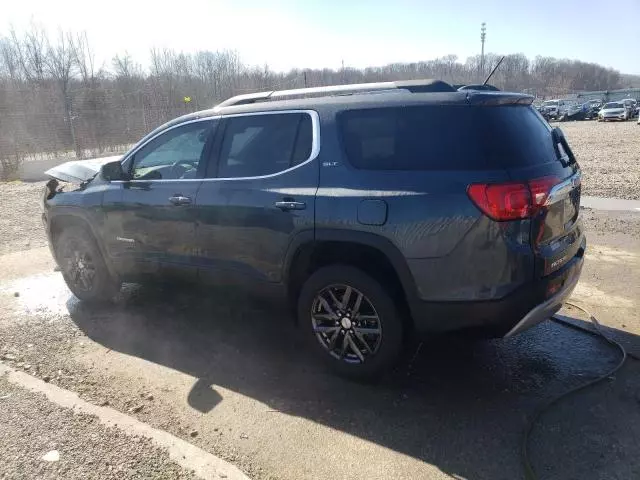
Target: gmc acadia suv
<point x="381" y="211"/>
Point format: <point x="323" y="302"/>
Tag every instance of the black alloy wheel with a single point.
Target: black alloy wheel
<point x="351" y="321"/>
<point x="346" y="323"/>
<point x="77" y="265"/>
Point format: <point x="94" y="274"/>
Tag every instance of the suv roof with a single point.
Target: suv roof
<point x="365" y="95"/>
<point x="354" y="96"/>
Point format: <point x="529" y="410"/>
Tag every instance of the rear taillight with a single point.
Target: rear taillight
<point x="511" y="201"/>
<point x="540" y="189"/>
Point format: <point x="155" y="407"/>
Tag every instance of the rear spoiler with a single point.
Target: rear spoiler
<point x="476" y="97"/>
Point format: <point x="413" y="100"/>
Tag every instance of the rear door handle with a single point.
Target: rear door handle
<point x="290" y="205"/>
<point x="179" y="199"/>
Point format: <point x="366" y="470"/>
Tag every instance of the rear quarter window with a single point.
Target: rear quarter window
<point x="445" y="137"/>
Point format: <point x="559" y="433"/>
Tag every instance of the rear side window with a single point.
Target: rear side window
<point x="445" y="137"/>
<point x="255" y="145"/>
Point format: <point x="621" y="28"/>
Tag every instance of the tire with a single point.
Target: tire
<point x="379" y="352"/>
<point x="83" y="267"/>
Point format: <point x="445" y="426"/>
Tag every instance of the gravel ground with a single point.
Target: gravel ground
<point x="20" y="216"/>
<point x="185" y="362"/>
<point x="609" y="154"/>
<point x="602" y="222"/>
<point x="32" y="426"/>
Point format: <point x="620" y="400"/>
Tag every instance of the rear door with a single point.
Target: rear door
<point x="151" y="219"/>
<point x="531" y="151"/>
<point x="259" y="194"/>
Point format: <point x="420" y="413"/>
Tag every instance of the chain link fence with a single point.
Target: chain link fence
<point x="31" y="141"/>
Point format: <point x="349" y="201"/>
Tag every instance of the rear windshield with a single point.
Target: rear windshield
<point x="446" y="137"/>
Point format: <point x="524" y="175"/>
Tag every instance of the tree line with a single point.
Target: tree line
<point x="55" y="99"/>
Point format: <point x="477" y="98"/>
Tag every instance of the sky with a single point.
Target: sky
<point x="324" y="33"/>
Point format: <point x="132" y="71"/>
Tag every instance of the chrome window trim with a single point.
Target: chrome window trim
<point x="315" y="145"/>
<point x="136" y="149"/>
<point x="561" y="190"/>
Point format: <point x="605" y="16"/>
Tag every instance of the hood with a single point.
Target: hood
<point x="79" y="171"/>
<point x="612" y="110"/>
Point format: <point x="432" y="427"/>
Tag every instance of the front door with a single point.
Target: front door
<point x="151" y="220"/>
<point x="260" y="194"/>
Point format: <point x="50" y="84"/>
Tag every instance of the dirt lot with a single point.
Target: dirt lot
<point x="609" y="154"/>
<point x="234" y="372"/>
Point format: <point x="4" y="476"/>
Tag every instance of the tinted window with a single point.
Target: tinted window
<point x="174" y="154"/>
<point x="445" y="137"/>
<point x="515" y="136"/>
<point x="258" y="145"/>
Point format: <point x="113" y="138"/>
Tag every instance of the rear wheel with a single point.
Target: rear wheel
<point x="83" y="267"/>
<point x="351" y="321"/>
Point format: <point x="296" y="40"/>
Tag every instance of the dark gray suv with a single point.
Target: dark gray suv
<point x="381" y="211"/>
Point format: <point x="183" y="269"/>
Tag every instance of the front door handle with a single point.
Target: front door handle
<point x="179" y="199"/>
<point x="287" y="205"/>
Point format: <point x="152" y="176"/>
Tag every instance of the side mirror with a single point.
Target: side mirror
<point x="113" y="171"/>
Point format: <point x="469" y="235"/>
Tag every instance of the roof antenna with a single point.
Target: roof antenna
<point x="493" y="71"/>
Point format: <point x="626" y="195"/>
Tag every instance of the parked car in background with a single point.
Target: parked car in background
<point x="570" y="110"/>
<point x="550" y="109"/>
<point x="560" y="109"/>
<point x="630" y="104"/>
<point x="590" y="110"/>
<point x="365" y="211"/>
<point x="613" y="111"/>
<point x="595" y="104"/>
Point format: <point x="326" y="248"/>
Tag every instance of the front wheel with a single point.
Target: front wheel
<point x="83" y="267"/>
<point x="352" y="322"/>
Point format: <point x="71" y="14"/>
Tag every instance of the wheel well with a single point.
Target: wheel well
<point x="315" y="255"/>
<point x="59" y="223"/>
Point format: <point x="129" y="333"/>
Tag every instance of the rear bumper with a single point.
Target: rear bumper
<point x="546" y="309"/>
<point x="527" y="306"/>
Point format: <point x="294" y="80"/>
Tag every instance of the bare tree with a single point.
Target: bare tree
<point x="54" y="98"/>
<point x="60" y="63"/>
<point x="83" y="57"/>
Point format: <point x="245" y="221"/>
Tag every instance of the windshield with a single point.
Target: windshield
<point x="609" y="106"/>
<point x="551" y="103"/>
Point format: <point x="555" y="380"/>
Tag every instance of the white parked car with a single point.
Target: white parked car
<point x="613" y="111"/>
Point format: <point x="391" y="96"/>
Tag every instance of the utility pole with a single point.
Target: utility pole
<point x="305" y="79"/>
<point x="483" y="35"/>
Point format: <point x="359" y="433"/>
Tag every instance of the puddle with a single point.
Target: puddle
<point x="43" y="295"/>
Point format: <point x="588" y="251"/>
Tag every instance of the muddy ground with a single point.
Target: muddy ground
<point x="235" y="372"/>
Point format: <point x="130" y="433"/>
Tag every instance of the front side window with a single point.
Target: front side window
<point x="256" y="145"/>
<point x="173" y="155"/>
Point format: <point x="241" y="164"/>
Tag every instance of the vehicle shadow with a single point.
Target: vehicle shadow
<point x="457" y="404"/>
